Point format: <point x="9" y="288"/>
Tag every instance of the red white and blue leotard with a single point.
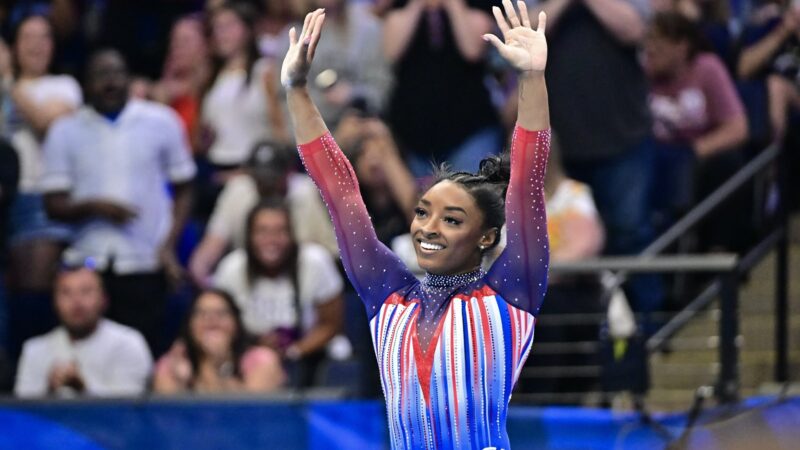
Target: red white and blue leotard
<point x="450" y="348"/>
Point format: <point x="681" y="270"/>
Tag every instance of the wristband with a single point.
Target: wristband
<point x="289" y="84"/>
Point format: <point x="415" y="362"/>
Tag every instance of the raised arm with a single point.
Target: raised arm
<point x="520" y="273"/>
<point x="372" y="268"/>
<point x="754" y="57"/>
<point x="468" y="25"/>
<point x="399" y="28"/>
<point x="624" y="19"/>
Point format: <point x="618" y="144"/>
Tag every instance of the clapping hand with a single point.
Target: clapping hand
<point x="65" y="376"/>
<point x="297" y="63"/>
<point x="179" y="364"/>
<point x="524" y="48"/>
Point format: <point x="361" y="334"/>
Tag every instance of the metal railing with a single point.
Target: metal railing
<point x="727" y="268"/>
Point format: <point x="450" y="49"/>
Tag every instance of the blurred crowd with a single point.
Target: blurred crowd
<point x="158" y="232"/>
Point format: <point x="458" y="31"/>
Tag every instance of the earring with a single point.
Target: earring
<point x="482" y="247"/>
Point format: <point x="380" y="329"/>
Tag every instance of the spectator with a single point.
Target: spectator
<point x="770" y="42"/>
<point x="62" y="13"/>
<point x="388" y="188"/>
<point x="273" y="25"/>
<point x="290" y="294"/>
<point x="241" y="107"/>
<point x="186" y="71"/>
<point x="573" y="223"/>
<point x="437" y="53"/>
<point x="269" y="173"/>
<point x="696" y="110"/>
<point x="574" y="227"/>
<point x="712" y="18"/>
<point x="137" y="28"/>
<point x="107" y="168"/>
<point x="86" y="354"/>
<point x="213" y="355"/>
<point x="602" y="118"/>
<point x="350" y="63"/>
<point x="65" y="17"/>
<point x="35" y="100"/>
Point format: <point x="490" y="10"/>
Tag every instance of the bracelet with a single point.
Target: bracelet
<point x="289" y="84"/>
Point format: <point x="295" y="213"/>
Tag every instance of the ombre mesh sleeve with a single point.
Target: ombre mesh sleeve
<point x="373" y="269"/>
<point x="519" y="274"/>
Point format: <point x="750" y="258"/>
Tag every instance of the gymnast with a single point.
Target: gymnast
<point x="449" y="347"/>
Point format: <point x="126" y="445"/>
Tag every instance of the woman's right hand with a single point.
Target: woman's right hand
<point x="180" y="367"/>
<point x="297" y="62"/>
<point x="173" y="372"/>
<point x="524" y="48"/>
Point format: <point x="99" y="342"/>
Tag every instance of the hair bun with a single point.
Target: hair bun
<point x="496" y="168"/>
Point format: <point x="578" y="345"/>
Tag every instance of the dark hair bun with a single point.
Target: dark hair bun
<point x="496" y="168"/>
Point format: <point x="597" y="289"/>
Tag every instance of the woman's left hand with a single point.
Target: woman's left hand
<point x="524" y="48"/>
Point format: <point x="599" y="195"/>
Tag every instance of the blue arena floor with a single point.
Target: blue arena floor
<point x="763" y="423"/>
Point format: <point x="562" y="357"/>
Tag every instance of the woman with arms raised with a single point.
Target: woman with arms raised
<point x="450" y="347"/>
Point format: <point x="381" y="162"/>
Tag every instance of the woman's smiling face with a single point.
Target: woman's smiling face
<point x="448" y="230"/>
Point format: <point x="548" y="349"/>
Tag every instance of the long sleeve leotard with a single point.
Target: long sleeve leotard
<point x="449" y="348"/>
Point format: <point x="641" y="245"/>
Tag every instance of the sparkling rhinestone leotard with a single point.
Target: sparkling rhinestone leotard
<point x="450" y="348"/>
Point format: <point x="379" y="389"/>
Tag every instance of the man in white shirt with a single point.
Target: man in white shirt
<point x="86" y="354"/>
<point x="107" y="169"/>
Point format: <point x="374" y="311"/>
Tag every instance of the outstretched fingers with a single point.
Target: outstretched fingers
<point x="511" y="19"/>
<point x="501" y="21"/>
<point x="523" y="14"/>
<point x="512" y="15"/>
<point x="304" y="31"/>
<point x="542" y="22"/>
<point x="308" y="24"/>
<point x="315" y="34"/>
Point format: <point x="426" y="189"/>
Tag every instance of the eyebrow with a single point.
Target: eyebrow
<point x="446" y="208"/>
<point x="456" y="208"/>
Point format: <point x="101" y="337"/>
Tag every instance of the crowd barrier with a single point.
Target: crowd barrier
<point x="194" y="423"/>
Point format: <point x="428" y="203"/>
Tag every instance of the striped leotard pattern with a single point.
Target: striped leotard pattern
<point x="454" y="393"/>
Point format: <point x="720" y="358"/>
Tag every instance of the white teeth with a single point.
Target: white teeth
<point x="429" y="246"/>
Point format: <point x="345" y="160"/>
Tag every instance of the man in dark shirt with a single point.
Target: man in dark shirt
<point x="602" y="119"/>
<point x="440" y="107"/>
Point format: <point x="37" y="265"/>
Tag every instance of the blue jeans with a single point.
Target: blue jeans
<point x="28" y="220"/>
<point x="463" y="158"/>
<point x="673" y="183"/>
<point x="621" y="187"/>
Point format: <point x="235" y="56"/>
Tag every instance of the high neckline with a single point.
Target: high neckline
<point x="440" y="282"/>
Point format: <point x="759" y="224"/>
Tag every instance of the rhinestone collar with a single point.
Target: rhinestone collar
<point x="441" y="282"/>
